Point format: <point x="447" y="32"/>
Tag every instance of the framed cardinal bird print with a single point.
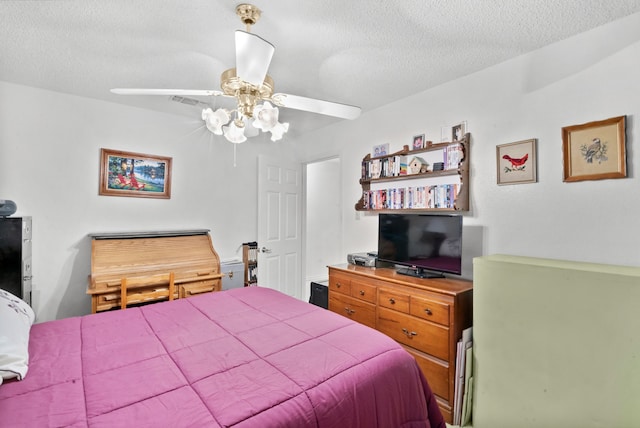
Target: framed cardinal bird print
<point x="517" y="162"/>
<point x="595" y="150"/>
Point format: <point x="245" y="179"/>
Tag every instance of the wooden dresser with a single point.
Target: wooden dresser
<point x="426" y="316"/>
<point x="187" y="253"/>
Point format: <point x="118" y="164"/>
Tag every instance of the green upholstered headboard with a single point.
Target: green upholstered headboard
<point x="556" y="343"/>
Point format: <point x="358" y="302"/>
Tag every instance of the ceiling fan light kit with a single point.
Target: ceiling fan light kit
<point x="249" y="84"/>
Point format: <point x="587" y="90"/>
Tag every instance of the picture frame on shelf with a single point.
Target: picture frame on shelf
<point x="595" y="150"/>
<point x="517" y="162"/>
<point x="380" y="150"/>
<point x="134" y="175"/>
<point x="458" y="131"/>
<point x="418" y="142"/>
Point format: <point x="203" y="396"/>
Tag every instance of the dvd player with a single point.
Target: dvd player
<point x="362" y="259"/>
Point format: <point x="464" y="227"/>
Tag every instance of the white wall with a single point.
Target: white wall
<point x="589" y="77"/>
<point x="49" y="163"/>
<point x="323" y="219"/>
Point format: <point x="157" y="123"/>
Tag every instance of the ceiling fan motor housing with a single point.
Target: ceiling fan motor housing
<point x="247" y="95"/>
<point x="248" y="13"/>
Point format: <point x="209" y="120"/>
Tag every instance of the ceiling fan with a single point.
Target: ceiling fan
<point x="249" y="84"/>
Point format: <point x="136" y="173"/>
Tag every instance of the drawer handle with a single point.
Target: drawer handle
<point x="428" y="311"/>
<point x="392" y="301"/>
<point x="338" y="285"/>
<point x="349" y="311"/>
<point x="362" y="292"/>
<point x="408" y="333"/>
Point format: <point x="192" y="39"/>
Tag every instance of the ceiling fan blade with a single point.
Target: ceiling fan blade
<point x="182" y="92"/>
<point x="328" y="108"/>
<point x="253" y="56"/>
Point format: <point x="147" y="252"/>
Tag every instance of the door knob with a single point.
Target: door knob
<point x="265" y="250"/>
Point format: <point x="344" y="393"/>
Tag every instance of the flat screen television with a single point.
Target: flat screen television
<point x="424" y="245"/>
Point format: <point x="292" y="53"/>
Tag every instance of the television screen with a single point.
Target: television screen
<point x="422" y="243"/>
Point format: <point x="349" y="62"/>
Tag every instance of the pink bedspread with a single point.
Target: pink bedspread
<point x="250" y="357"/>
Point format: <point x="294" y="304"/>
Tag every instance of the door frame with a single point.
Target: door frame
<point x="305" y="203"/>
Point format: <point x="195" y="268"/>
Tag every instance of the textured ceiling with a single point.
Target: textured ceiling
<point x="361" y="52"/>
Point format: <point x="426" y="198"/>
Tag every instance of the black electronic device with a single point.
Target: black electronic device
<point x="320" y="294"/>
<point x="7" y="207"/>
<point x="425" y="245"/>
<point x="362" y="259"/>
<point x="15" y="256"/>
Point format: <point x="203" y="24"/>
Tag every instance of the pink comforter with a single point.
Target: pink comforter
<point x="250" y="357"/>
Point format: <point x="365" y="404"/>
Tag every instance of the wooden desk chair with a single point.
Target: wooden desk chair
<point x="142" y="289"/>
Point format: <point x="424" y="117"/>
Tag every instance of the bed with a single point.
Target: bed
<point x="249" y="357"/>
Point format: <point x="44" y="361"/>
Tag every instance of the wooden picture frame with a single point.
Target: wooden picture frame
<point x="418" y="142"/>
<point x="134" y="175"/>
<point x="595" y="150"/>
<point x="517" y="162"/>
<point x="380" y="150"/>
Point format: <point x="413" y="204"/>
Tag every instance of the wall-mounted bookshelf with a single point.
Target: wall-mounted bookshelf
<point x="435" y="178"/>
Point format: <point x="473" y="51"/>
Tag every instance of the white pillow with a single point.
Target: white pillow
<point x="16" y="318"/>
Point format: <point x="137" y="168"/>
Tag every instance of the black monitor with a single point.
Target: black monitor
<point x="424" y="245"/>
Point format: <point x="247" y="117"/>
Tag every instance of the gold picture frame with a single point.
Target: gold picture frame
<point x="517" y="162"/>
<point x="134" y="175"/>
<point x="595" y="150"/>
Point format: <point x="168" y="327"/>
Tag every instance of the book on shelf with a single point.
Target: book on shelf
<point x="452" y="156"/>
<point x="397" y="165"/>
<point x="412" y="197"/>
<point x="390" y="166"/>
<point x="374" y="168"/>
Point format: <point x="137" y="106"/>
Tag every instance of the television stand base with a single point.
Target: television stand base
<point x="419" y="273"/>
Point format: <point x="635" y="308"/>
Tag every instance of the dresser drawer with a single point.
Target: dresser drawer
<point x="361" y="290"/>
<point x="411" y="331"/>
<point x="436" y="372"/>
<point x="393" y="299"/>
<point x="340" y="284"/>
<point x="355" y="309"/>
<point x="431" y="310"/>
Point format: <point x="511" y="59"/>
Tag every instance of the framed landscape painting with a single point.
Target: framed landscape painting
<point x="594" y="150"/>
<point x="134" y="175"/>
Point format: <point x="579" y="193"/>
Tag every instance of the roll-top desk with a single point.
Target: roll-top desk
<point x="189" y="254"/>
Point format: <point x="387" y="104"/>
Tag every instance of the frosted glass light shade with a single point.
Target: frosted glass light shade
<point x="215" y="120"/>
<point x="234" y="133"/>
<point x="266" y="116"/>
<point x="278" y="131"/>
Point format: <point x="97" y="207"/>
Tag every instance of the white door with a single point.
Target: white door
<point x="279" y="225"/>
